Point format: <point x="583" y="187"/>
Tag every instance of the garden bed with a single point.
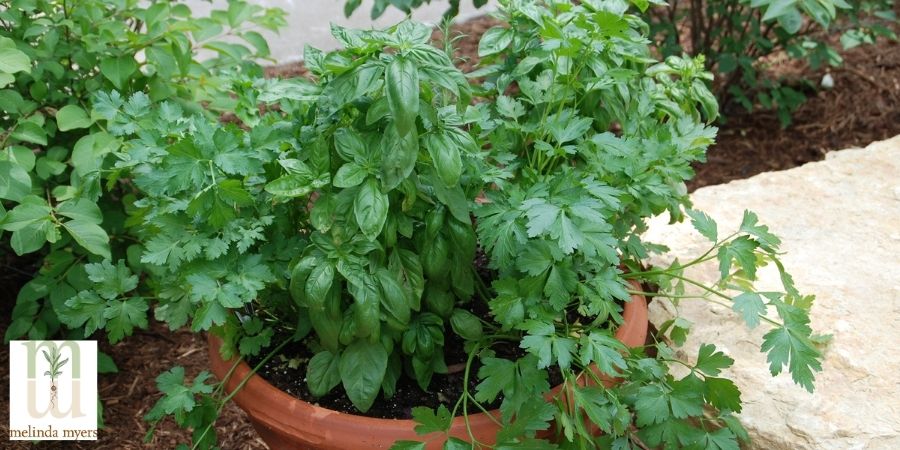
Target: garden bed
<point x="863" y="106"/>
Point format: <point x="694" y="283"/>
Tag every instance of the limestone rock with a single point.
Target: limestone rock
<point x="840" y="223"/>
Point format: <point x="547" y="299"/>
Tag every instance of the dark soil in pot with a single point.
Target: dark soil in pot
<point x="288" y="373"/>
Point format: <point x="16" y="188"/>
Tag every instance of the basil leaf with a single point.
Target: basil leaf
<point x="402" y="91"/>
<point x="445" y="157"/>
<point x="363" y="366"/>
<point x="318" y="285"/>
<point x="370" y="209"/>
<point x="323" y="373"/>
<point x="349" y="175"/>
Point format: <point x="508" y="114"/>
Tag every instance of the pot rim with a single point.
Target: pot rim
<point x="632" y="333"/>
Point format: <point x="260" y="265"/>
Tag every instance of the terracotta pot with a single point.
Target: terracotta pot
<point x="286" y="422"/>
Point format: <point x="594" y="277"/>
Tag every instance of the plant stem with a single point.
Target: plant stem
<point x="240" y="386"/>
<point x="721" y="295"/>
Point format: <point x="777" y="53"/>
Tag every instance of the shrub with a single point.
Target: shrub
<point x="60" y="197"/>
<point x="739" y="40"/>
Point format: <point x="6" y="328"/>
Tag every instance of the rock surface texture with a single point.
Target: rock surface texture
<point x="839" y="220"/>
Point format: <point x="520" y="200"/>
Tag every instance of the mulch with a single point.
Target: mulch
<point x="863" y="106"/>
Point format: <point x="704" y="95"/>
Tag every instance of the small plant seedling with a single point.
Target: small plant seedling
<point x="54" y="372"/>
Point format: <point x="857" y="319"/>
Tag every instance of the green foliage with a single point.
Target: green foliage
<point x="740" y="39"/>
<point x="220" y="211"/>
<point x="406" y="6"/>
<point x="341" y="216"/>
<point x="60" y="195"/>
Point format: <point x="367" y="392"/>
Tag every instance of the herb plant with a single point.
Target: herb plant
<point x="342" y="223"/>
<point x="59" y="199"/>
<point x="349" y="217"/>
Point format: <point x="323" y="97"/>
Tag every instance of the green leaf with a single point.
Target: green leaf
<point x="29" y="132"/>
<point x="466" y="325"/>
<point x="750" y="306"/>
<point x="207" y="315"/>
<point x="790" y="346"/>
<point x="603" y="350"/>
<point x="13" y="60"/>
<point x="494" y="40"/>
<point x="370" y="208"/>
<point x="510" y="107"/>
<point x="651" y="406"/>
<point x="349" y="175"/>
<point x="741" y="249"/>
<point x="178" y="398"/>
<point x="543" y="342"/>
<point x="721" y="439"/>
<point x="118" y="70"/>
<point x="349" y="145"/>
<point x="750" y="225"/>
<point x="105" y="363"/>
<point x="90" y="150"/>
<point x="453" y="443"/>
<point x="15" y="183"/>
<point x="70" y="117"/>
<point x="445" y="157"/>
<point x="723" y="394"/>
<point x="123" y="316"/>
<point x="402" y="92"/>
<point x="686" y="397"/>
<point x="704" y="224"/>
<point x="710" y="361"/>
<point x="363" y="366"/>
<point x="791" y="20"/>
<point x="431" y="421"/>
<point x="295" y="184"/>
<point x="394" y="299"/>
<point x="323" y="373"/>
<point x="561" y="282"/>
<point x="90" y="236"/>
<point x="533" y="415"/>
<point x="495" y="374"/>
<point x="111" y="281"/>
<point x="707" y="100"/>
<point x="399" y="157"/>
<point x="777" y="8"/>
<point x="85" y="310"/>
<point x="406" y="445"/>
<point x="319" y="284"/>
<point x="81" y="209"/>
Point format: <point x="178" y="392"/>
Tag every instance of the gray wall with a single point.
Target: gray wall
<point x="308" y="21"/>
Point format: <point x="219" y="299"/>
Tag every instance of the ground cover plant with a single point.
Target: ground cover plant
<point x="343" y="220"/>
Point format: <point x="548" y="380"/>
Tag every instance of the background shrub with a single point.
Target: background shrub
<point x="739" y="39"/>
<point x="60" y="197"/>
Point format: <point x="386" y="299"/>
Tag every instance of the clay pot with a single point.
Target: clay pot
<point x="286" y="422"/>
